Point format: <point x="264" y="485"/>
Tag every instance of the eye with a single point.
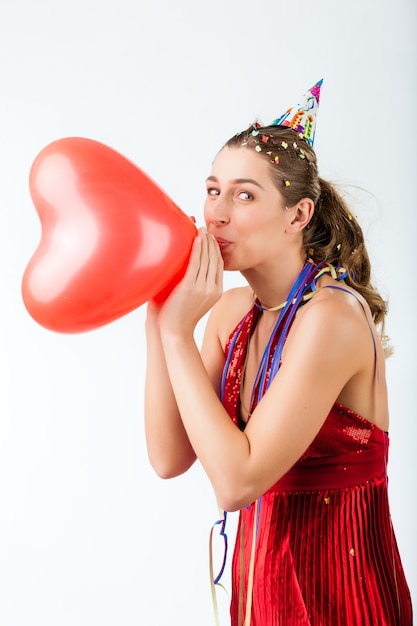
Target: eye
<point x="245" y="195"/>
<point x="212" y="191"/>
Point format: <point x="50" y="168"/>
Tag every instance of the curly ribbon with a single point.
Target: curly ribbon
<point x="215" y="581"/>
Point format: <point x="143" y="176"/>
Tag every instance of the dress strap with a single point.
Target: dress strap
<point x="352" y="293"/>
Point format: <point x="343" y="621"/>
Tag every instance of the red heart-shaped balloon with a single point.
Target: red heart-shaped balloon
<point x="111" y="238"/>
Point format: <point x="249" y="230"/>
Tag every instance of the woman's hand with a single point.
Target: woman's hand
<point x="198" y="291"/>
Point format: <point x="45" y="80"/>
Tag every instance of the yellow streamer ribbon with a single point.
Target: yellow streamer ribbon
<point x="329" y="269"/>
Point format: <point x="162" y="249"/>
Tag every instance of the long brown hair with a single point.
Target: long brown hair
<point x="333" y="234"/>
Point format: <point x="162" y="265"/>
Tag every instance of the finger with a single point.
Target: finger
<point x="192" y="270"/>
<point x="215" y="261"/>
<point x="220" y="265"/>
<point x="204" y="258"/>
<point x="210" y="269"/>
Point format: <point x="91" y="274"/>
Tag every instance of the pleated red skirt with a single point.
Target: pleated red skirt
<point x="325" y="553"/>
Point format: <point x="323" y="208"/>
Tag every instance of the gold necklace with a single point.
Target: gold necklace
<point x="329" y="269"/>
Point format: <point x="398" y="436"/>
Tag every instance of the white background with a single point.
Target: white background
<point x="88" y="534"/>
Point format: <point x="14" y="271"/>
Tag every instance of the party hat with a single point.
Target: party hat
<point x="302" y="116"/>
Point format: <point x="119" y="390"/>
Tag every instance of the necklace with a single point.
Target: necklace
<point x="338" y="273"/>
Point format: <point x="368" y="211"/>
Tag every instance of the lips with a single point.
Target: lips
<point x="223" y="243"/>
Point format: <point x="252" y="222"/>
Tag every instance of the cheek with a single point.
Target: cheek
<point x="208" y="210"/>
<point x="267" y="235"/>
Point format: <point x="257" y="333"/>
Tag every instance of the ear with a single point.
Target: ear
<point x="300" y="215"/>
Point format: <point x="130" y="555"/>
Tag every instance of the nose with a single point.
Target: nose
<point x="216" y="212"/>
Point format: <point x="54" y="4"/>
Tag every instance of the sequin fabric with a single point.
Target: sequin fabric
<point x="326" y="553"/>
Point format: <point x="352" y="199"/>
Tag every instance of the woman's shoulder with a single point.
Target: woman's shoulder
<point x="234" y="304"/>
<point x="336" y="316"/>
<point x="229" y="310"/>
<point x="239" y="296"/>
<point x="334" y="300"/>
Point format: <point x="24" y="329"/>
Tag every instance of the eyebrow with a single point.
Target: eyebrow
<point x="236" y="181"/>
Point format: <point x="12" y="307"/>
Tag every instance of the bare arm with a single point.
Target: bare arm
<point x="243" y="465"/>
<point x="169" y="448"/>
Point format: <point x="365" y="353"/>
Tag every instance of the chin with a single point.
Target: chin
<point x="228" y="265"/>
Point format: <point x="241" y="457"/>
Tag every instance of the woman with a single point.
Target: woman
<point x="286" y="406"/>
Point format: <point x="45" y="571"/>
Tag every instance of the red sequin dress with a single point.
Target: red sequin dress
<point x="326" y="553"/>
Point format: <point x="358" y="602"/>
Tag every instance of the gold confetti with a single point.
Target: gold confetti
<point x="326" y="500"/>
<point x="287" y="183"/>
<point x="284" y="144"/>
<point x="352" y="552"/>
<point x="276" y="159"/>
<point x="339" y="245"/>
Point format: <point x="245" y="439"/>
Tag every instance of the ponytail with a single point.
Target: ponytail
<point x="335" y="236"/>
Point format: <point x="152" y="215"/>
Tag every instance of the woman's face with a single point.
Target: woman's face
<point x="244" y="210"/>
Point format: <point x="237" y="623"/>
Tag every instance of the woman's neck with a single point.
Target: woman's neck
<point x="271" y="288"/>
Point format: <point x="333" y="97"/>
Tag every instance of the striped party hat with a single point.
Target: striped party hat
<point x="302" y="116"/>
